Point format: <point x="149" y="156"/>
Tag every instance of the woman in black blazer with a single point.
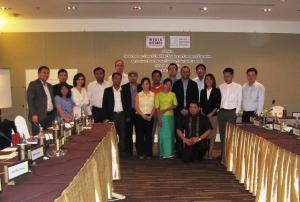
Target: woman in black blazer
<point x="210" y="100"/>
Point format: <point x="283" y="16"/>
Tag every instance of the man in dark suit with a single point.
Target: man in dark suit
<point x="62" y="78"/>
<point x="131" y="88"/>
<point x="116" y="104"/>
<point x="186" y="91"/>
<point x="40" y="101"/>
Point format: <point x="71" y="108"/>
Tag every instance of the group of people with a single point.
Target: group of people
<point x="186" y="113"/>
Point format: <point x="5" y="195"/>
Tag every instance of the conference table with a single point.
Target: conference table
<point x="266" y="162"/>
<point x="85" y="173"/>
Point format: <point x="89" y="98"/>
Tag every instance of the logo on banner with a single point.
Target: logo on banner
<point x="155" y="41"/>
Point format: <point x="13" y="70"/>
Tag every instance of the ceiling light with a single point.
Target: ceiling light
<point x="71" y="8"/>
<point x="203" y="9"/>
<point x="267" y="10"/>
<point x="137" y="8"/>
<point x="4" y="8"/>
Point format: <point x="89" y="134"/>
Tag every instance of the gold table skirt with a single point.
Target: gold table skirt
<point x="93" y="182"/>
<point x="269" y="172"/>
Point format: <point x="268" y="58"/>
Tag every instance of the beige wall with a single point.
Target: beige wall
<point x="276" y="56"/>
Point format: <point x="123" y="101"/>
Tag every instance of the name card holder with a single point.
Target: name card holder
<point x="296" y="131"/>
<point x="68" y="133"/>
<point x="35" y="154"/>
<point x="277" y="127"/>
<point x="14" y="171"/>
<point x="59" y="142"/>
<point x="256" y="123"/>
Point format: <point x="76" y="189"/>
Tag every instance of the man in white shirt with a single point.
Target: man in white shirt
<point x="95" y="91"/>
<point x="119" y="67"/>
<point x="230" y="103"/>
<point x="201" y="71"/>
<point x="253" y="96"/>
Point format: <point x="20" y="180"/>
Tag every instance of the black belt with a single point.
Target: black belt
<point x="97" y="107"/>
<point x="118" y="112"/>
<point x="48" y="113"/>
<point x="228" y="109"/>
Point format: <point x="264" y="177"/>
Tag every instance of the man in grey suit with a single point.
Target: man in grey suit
<point x="40" y="101"/>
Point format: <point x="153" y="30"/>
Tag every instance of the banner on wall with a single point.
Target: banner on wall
<point x="180" y="41"/>
<point x="179" y="52"/>
<point x="155" y="41"/>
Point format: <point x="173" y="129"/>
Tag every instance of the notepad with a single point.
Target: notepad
<point x="9" y="149"/>
<point x="8" y="156"/>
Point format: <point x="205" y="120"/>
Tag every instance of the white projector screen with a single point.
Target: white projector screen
<point x="5" y="88"/>
<point x="31" y="75"/>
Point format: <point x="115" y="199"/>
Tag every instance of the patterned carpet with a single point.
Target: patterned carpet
<point x="172" y="180"/>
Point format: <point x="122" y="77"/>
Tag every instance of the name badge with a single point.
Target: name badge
<point x="256" y="123"/>
<point x="36" y="153"/>
<point x="296" y="131"/>
<point x="277" y="127"/>
<point x="15" y="170"/>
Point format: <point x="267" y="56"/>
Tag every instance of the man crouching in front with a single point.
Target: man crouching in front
<point x="193" y="130"/>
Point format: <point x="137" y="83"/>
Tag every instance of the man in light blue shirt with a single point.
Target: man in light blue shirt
<point x="253" y="96"/>
<point x="201" y="71"/>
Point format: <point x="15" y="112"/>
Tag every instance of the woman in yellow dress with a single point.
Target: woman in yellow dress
<point x="165" y="102"/>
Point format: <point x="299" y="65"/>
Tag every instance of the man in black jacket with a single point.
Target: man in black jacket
<point x="62" y="78"/>
<point x="40" y="101"/>
<point x="131" y="88"/>
<point x="186" y="91"/>
<point x="116" y="105"/>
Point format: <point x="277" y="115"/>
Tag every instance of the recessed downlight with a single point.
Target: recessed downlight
<point x="266" y="10"/>
<point x="3" y="8"/>
<point x="203" y="9"/>
<point x="137" y="8"/>
<point x="71" y="8"/>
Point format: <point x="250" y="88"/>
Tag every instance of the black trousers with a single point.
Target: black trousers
<point x="130" y="124"/>
<point x="143" y="136"/>
<point x="45" y="123"/>
<point x="178" y="142"/>
<point x="98" y="114"/>
<point x="194" y="152"/>
<point x="224" y="117"/>
<point x="246" y="116"/>
<point x="120" y="123"/>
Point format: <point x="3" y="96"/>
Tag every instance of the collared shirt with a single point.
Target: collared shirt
<point x="231" y="96"/>
<point x="49" y="100"/>
<point x="200" y="84"/>
<point x="253" y="97"/>
<point x="208" y="92"/>
<point x="123" y="81"/>
<point x="185" y="84"/>
<point x="157" y="89"/>
<point x="174" y="79"/>
<point x="146" y="102"/>
<point x="95" y="92"/>
<point x="118" y="101"/>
